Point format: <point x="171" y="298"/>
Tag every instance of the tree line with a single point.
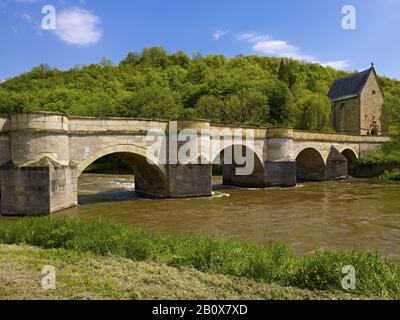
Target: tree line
<point x="249" y="90"/>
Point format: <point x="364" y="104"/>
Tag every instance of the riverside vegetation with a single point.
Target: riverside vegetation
<point x="271" y="270"/>
<point x="387" y="157"/>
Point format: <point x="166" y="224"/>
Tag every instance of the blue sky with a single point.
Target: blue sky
<point x="311" y="30"/>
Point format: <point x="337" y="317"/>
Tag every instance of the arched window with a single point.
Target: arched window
<point x="374" y="131"/>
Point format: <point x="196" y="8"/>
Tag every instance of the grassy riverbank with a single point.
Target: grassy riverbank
<point x="82" y="275"/>
<point x="384" y="163"/>
<point x="261" y="265"/>
<point x="393" y="175"/>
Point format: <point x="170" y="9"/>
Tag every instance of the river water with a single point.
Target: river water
<point x="363" y="214"/>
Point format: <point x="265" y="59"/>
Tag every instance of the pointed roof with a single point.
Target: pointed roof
<point x="349" y="87"/>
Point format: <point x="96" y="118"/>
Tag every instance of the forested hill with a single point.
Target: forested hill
<point x="249" y="90"/>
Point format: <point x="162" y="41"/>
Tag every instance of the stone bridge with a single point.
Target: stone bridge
<point x="42" y="156"/>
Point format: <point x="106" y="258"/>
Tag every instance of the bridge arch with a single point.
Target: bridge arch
<point x="310" y="165"/>
<point x="219" y="147"/>
<point x="150" y="176"/>
<point x="351" y="157"/>
<point x="254" y="177"/>
<point x="117" y="149"/>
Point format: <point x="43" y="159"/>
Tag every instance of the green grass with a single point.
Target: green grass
<point x="393" y="175"/>
<point x="274" y="263"/>
<point x="82" y="275"/>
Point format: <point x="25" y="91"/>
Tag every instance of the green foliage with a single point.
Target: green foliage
<point x="286" y="72"/>
<point x="110" y="164"/>
<point x="393" y="175"/>
<point x="106" y="63"/>
<point x="391" y="89"/>
<point x="252" y="90"/>
<point x="273" y="263"/>
<point x="313" y="113"/>
<point x="389" y="154"/>
<point x="380" y="158"/>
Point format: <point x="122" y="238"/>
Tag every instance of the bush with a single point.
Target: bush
<point x="389" y="154"/>
<point x="393" y="175"/>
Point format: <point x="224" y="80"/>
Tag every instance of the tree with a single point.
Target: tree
<point x="210" y="107"/>
<point x="132" y="59"/>
<point x="197" y="55"/>
<point x="313" y="113"/>
<point x="106" y="63"/>
<point x="181" y="59"/>
<point x="286" y="73"/>
<point x="278" y="100"/>
<point x="152" y="102"/>
<point x="250" y="90"/>
<point x="155" y="57"/>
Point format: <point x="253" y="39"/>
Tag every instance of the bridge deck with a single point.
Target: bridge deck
<point x="130" y="125"/>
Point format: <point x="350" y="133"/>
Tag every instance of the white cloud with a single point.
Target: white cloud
<point x="340" y="64"/>
<point x="281" y="48"/>
<point x="78" y="27"/>
<point x="246" y="36"/>
<point x="219" y="34"/>
<point x="27" y="17"/>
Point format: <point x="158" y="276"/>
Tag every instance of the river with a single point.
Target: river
<point x="363" y="214"/>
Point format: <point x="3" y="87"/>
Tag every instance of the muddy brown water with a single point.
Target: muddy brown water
<point x="363" y="214"/>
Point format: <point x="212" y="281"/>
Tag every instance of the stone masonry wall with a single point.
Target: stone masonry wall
<point x="371" y="106"/>
<point x="107" y="125"/>
<point x="25" y="191"/>
<point x="5" y="152"/>
<point x="346" y="116"/>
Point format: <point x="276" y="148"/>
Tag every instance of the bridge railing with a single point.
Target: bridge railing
<point x="87" y="124"/>
<point x="131" y="125"/>
<point x="337" y="137"/>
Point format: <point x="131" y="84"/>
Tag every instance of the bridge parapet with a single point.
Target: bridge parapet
<point x="337" y="138"/>
<point x="360" y="145"/>
<point x="222" y="129"/>
<point x="36" y="135"/>
<point x="39" y="121"/>
<point x="112" y="125"/>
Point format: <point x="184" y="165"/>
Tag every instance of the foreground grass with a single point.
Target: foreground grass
<point x="88" y="276"/>
<point x="268" y="264"/>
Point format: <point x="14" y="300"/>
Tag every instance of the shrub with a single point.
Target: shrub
<point x="391" y="175"/>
